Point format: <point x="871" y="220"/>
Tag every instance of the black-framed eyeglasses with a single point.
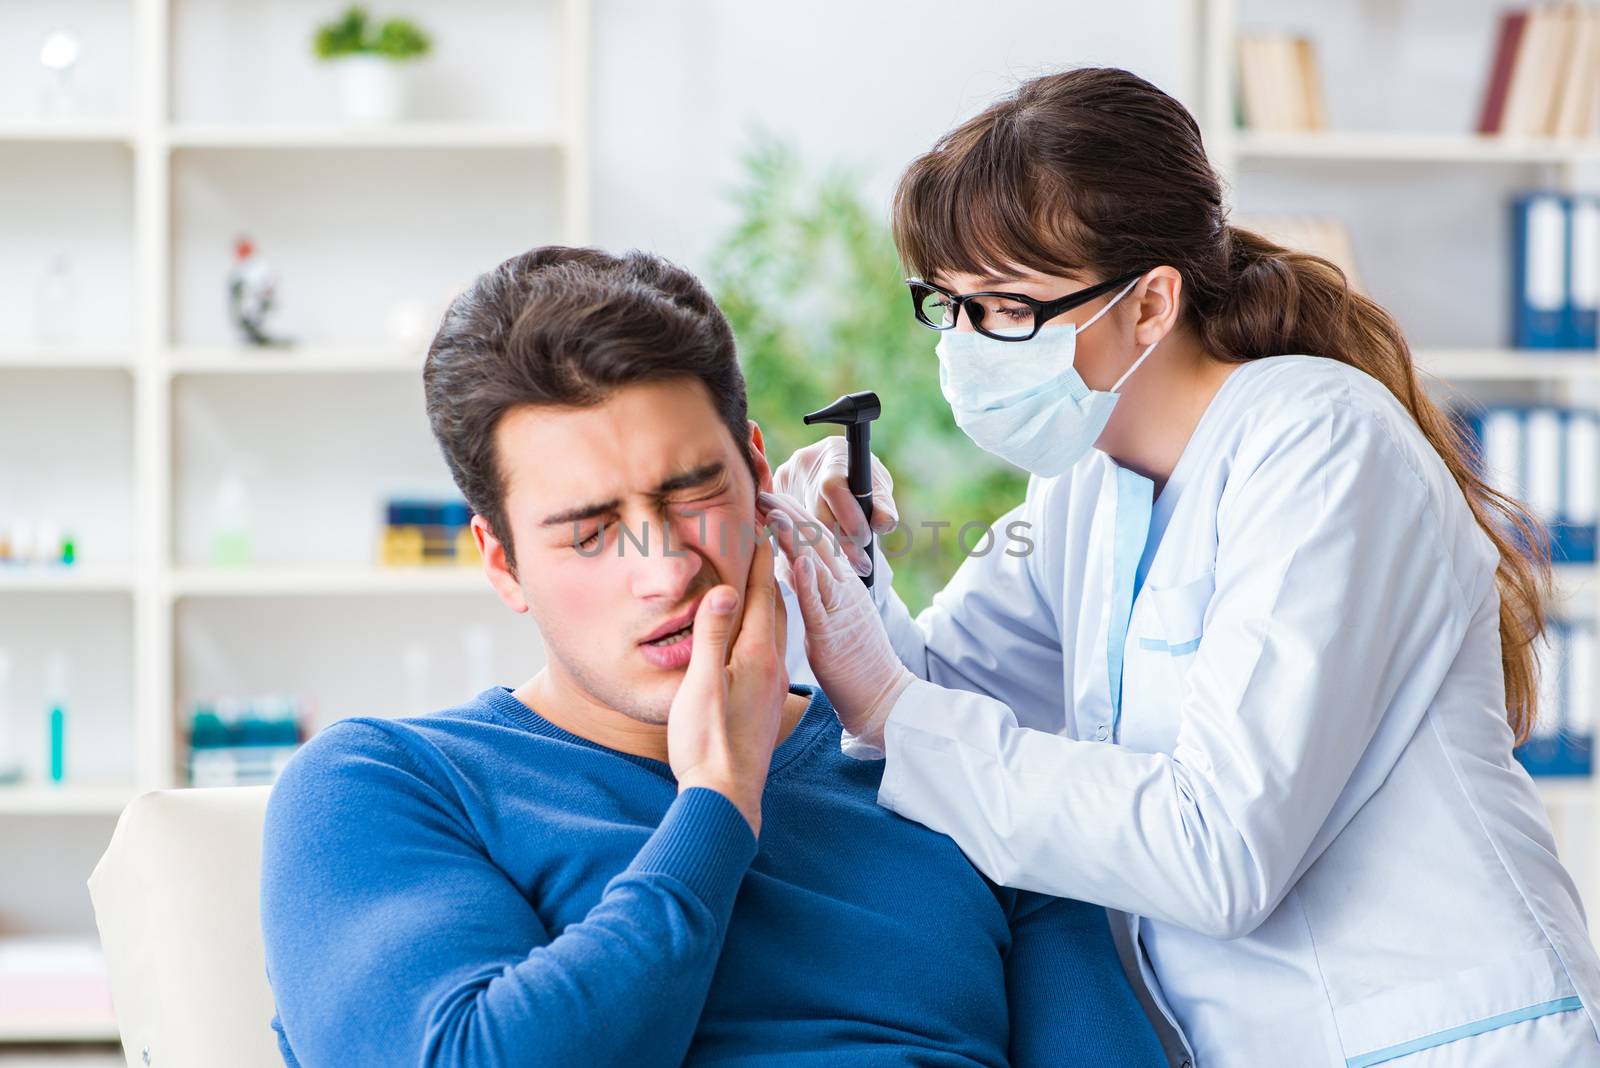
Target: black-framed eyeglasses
<point x="1002" y="316"/>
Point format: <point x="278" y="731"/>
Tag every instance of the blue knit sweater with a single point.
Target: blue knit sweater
<point x="480" y="887"/>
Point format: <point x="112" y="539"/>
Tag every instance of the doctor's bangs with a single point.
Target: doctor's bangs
<point x="980" y="202"/>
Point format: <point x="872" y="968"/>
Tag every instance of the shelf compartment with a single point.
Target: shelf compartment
<point x="71" y="200"/>
<point x="94" y="633"/>
<point x="319" y="457"/>
<point x="341" y="230"/>
<point x="403" y="655"/>
<point x="68" y="443"/>
<point x="239" y="63"/>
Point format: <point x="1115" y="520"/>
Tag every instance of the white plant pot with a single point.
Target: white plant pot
<point x="371" y="88"/>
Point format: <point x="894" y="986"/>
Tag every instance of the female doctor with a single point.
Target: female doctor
<point x="1253" y="678"/>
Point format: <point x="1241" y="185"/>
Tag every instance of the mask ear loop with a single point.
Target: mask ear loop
<point x="1110" y="304"/>
<point x="1125" y="375"/>
<point x="1135" y="367"/>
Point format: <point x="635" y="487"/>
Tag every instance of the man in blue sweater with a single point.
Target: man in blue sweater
<point x="652" y="851"/>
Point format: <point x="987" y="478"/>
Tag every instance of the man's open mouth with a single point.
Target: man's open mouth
<point x="677" y="635"/>
<point x="675" y="629"/>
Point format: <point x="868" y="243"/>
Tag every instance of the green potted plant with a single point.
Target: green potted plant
<point x="369" y="57"/>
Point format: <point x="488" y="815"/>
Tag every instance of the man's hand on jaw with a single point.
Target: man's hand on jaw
<point x="723" y="724"/>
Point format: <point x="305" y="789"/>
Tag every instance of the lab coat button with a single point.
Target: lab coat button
<point x="1102" y="733"/>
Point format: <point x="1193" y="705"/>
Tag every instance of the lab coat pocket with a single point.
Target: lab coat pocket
<point x="1181" y="612"/>
<point x="1403" y="1022"/>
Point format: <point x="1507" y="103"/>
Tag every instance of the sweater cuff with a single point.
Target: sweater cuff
<point x="703" y="842"/>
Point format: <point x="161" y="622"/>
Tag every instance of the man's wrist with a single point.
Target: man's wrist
<point x="741" y="797"/>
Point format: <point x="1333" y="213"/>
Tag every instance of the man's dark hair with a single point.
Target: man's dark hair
<point x="568" y="326"/>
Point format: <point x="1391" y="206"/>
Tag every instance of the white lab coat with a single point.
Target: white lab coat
<point x="1307" y="812"/>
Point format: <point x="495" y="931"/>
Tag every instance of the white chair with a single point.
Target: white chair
<point x="176" y="897"/>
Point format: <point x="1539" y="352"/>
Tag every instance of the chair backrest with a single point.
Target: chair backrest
<point x="176" y="897"/>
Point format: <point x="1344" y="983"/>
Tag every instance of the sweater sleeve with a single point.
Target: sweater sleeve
<point x="1071" y="1005"/>
<point x="392" y="938"/>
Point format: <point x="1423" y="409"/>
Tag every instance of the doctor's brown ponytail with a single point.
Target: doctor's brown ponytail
<point x="1096" y="172"/>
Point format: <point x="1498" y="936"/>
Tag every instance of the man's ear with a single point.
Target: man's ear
<point x="758" y="456"/>
<point x="500" y="576"/>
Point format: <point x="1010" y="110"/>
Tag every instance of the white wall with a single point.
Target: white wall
<point x="680" y="86"/>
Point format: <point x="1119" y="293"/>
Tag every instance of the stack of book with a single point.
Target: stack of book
<point x="1555" y="270"/>
<point x="1279" y="87"/>
<point x="1562" y="740"/>
<point x="1548" y="458"/>
<point x="1545" y="77"/>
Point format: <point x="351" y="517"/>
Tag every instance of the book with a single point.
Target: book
<point x="1528" y="74"/>
<point x="1583" y="271"/>
<point x="1507" y="40"/>
<point x="1315" y="106"/>
<point x="1539" y="270"/>
<point x="1544" y="73"/>
<point x="1551" y="63"/>
<point x="1280" y="86"/>
<point x="1574" y="112"/>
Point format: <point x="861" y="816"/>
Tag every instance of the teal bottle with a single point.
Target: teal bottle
<point x="58" y="743"/>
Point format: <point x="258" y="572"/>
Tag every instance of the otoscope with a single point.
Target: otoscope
<point x="856" y="411"/>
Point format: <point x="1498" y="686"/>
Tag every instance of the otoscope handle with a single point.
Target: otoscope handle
<point x="858" y="445"/>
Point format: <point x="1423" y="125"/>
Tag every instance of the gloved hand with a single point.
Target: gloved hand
<point x="817" y="477"/>
<point x="846" y="644"/>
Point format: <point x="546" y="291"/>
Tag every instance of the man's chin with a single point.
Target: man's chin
<point x="653" y="692"/>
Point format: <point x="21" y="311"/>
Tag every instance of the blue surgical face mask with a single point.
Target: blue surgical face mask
<point x="1024" y="401"/>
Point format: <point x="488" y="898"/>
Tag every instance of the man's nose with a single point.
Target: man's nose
<point x="664" y="562"/>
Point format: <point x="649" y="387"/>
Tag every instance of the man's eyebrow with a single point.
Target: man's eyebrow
<point x="697" y="476"/>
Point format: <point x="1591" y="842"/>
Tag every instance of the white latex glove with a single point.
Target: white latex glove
<point x="817" y="477"/>
<point x="846" y="644"/>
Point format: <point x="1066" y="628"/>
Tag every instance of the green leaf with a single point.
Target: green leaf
<point x="352" y="34"/>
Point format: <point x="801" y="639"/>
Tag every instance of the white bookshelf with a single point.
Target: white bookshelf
<point x="297" y="360"/>
<point x="444" y="579"/>
<point x="67" y="579"/>
<point x="418" y="136"/>
<point x="1488" y="166"/>
<point x="470" y="185"/>
<point x="1510" y="365"/>
<point x="1441" y="148"/>
<point x="69" y="130"/>
<point x="67" y="359"/>
<point x="64" y="800"/>
<point x="88" y="1032"/>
